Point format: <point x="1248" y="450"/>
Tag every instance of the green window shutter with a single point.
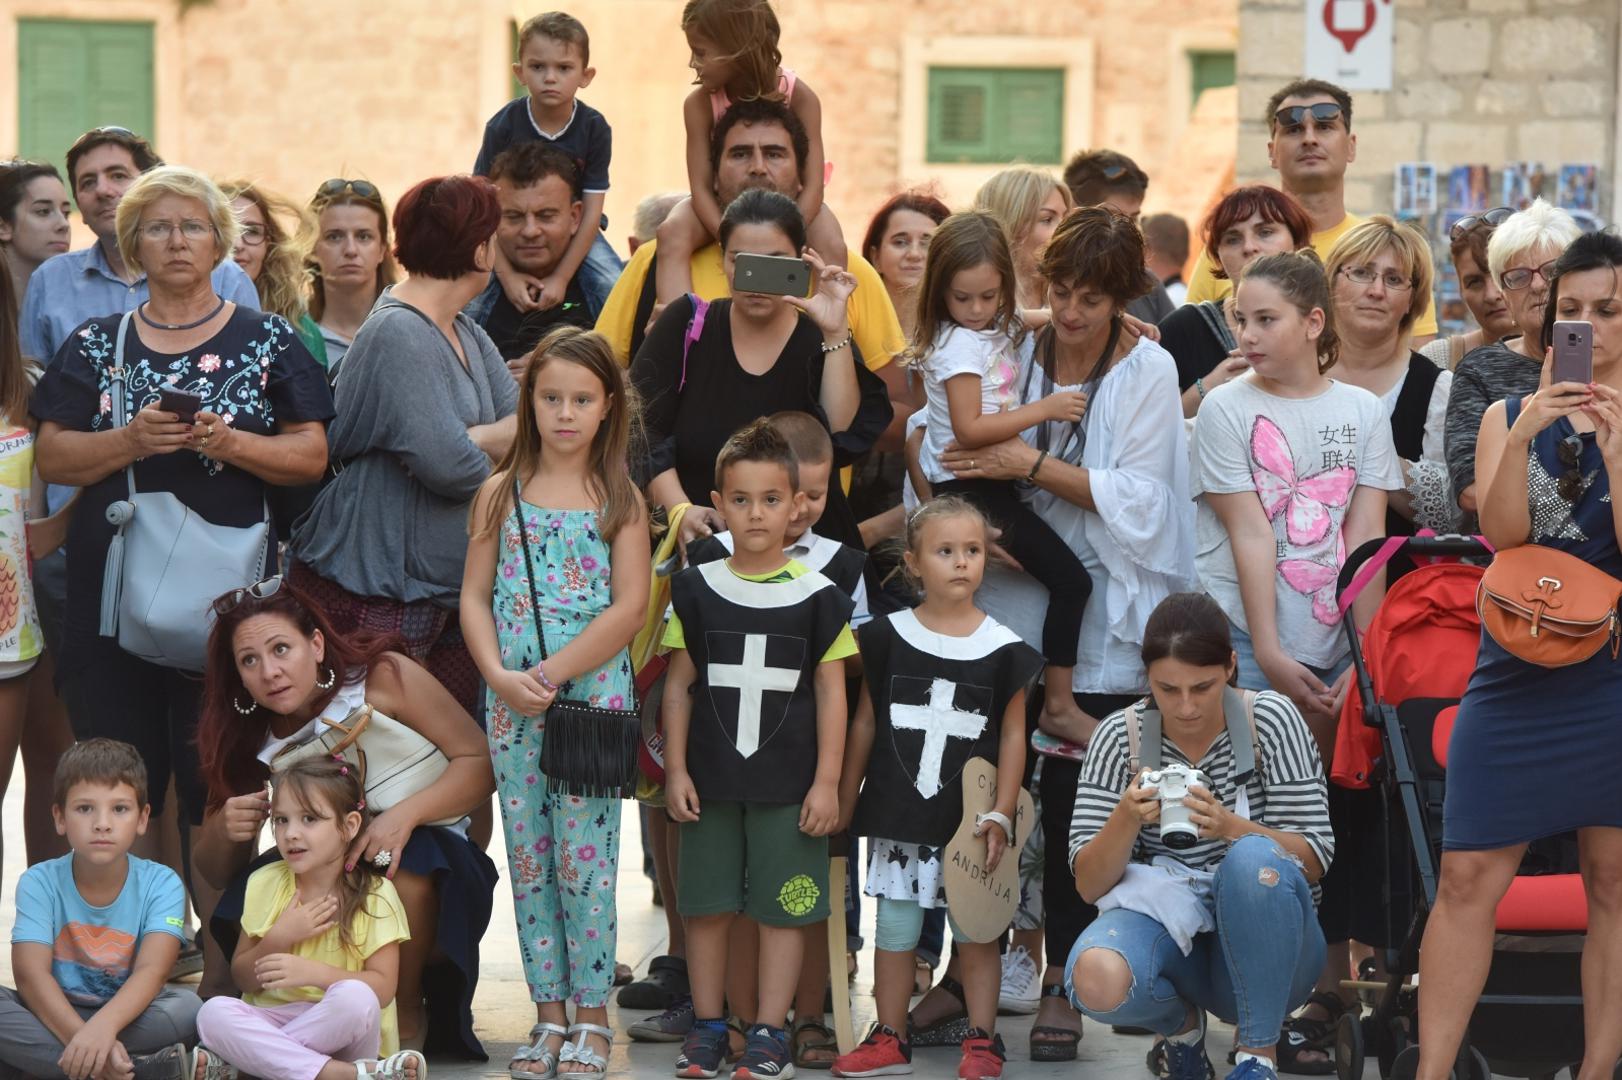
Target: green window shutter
<point x="1208" y="71"/>
<point x="995" y="115"/>
<point x="517" y="88"/>
<point x="74" y="76"/>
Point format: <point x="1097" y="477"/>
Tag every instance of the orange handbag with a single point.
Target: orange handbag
<point x="1547" y="607"/>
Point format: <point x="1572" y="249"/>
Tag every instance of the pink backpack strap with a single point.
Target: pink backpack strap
<point x="695" y="329"/>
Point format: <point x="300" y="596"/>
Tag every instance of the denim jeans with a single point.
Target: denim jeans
<point x="1258" y="965"/>
<point x="598" y="272"/>
<point x="1250" y="672"/>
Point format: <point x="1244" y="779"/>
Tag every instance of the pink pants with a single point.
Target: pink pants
<point x="293" y="1042"/>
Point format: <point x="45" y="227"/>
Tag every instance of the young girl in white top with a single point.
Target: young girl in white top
<point x="972" y="349"/>
<point x="1292" y="468"/>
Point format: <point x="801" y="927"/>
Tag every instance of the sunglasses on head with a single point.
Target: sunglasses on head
<point x="106" y="129"/>
<point x="259" y="590"/>
<point x="1494" y="217"/>
<point x="1295" y="115"/>
<point x="1570" y="452"/>
<point x="338" y="185"/>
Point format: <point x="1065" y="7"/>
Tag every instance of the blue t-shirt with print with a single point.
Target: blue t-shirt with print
<point x="93" y="948"/>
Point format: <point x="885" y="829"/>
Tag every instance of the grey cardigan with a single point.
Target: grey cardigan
<point x="393" y="522"/>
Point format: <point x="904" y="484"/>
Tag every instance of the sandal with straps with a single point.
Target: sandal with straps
<point x="392" y="1067"/>
<point x="581" y="1054"/>
<point x="536" y="1050"/>
<point x="949" y="1030"/>
<point x="213" y="1066"/>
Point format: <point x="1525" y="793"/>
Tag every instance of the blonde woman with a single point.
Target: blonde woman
<point x="1028" y="203"/>
<point x="273" y="257"/>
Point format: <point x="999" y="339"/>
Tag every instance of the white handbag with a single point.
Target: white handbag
<point x="395" y="761"/>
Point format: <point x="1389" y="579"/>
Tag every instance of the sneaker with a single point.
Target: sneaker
<point x="1254" y="1068"/>
<point x="188" y="963"/>
<point x="1184" y="1061"/>
<point x="672" y="1025"/>
<point x="1021" y="990"/>
<point x="702" y="1051"/>
<point x="170" y="1063"/>
<point x="983" y="1056"/>
<point x="766" y="1056"/>
<point x="882" y="1053"/>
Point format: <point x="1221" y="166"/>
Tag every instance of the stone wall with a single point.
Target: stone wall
<point x="1477" y="82"/>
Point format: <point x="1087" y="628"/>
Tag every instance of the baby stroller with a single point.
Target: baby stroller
<point x="1411" y="670"/>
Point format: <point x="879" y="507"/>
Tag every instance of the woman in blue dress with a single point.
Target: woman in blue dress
<point x="1521" y="762"/>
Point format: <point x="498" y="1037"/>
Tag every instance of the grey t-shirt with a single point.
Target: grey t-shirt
<point x="393" y="523"/>
<point x="1490" y="373"/>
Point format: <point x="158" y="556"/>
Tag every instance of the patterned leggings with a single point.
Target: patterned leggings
<point x="563" y="856"/>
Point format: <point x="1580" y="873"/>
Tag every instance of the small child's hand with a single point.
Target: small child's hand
<point x="681" y="798"/>
<point x="819" y="814"/>
<point x="283" y="971"/>
<point x="88" y="1052"/>
<point x="1065" y="405"/>
<point x="553" y="287"/>
<point x="119" y="1066"/>
<point x="523" y="290"/>
<point x="301" y="922"/>
<point x="523" y="693"/>
<point x="996" y="843"/>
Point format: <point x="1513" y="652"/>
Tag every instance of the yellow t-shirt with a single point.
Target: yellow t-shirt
<point x="1203" y="285"/>
<point x="844" y="645"/>
<point x="873" y="322"/>
<point x="382" y="922"/>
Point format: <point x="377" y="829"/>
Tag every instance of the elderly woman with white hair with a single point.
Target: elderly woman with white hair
<point x="1520" y="257"/>
<point x="262" y="406"/>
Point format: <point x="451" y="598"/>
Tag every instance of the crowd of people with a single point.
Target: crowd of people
<point x="997" y="494"/>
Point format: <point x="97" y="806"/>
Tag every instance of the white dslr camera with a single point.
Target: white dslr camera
<point x="1173" y="783"/>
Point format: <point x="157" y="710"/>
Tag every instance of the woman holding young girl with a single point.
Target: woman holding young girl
<point x="556" y="586"/>
<point x="1547" y="464"/>
<point x="278" y="676"/>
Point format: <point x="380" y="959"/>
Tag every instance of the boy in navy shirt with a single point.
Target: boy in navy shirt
<point x="554" y="64"/>
<point x="97" y="933"/>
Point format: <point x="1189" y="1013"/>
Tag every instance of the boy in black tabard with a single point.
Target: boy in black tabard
<point x="754" y="713"/>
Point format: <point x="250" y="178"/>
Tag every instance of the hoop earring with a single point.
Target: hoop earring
<point x="332" y="677"/>
<point x="249" y="711"/>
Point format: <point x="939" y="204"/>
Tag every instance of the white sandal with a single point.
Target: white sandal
<point x="214" y="1066"/>
<point x="596" y="1065"/>
<point x="392" y="1067"/>
<point x="536" y="1050"/>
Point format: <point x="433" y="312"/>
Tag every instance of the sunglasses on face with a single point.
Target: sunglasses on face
<point x="259" y="590"/>
<point x="338" y="185"/>
<point x="1324" y="113"/>
<point x="1570" y="452"/>
<point x="1494" y="218"/>
<point x="1521" y="276"/>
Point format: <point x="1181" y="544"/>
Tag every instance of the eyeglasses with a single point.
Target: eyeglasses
<point x="1365" y="275"/>
<point x="193" y="230"/>
<point x="259" y="590"/>
<point x="253" y="235"/>
<point x="1521" y="276"/>
<point x="1494" y="217"/>
<point x="1324" y="113"/>
<point x="1570" y="452"/>
<point x="338" y="185"/>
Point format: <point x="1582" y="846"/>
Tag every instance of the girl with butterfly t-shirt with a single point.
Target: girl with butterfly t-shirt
<point x="1292" y="469"/>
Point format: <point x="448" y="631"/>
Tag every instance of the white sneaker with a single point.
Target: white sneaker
<point x="1021" y="990"/>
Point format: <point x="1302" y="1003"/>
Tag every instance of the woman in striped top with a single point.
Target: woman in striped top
<point x="1178" y="932"/>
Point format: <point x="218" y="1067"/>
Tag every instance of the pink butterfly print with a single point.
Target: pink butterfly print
<point x="1317" y="580"/>
<point x="1306" y="501"/>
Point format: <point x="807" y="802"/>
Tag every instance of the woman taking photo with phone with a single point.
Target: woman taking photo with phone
<point x="1546" y="465"/>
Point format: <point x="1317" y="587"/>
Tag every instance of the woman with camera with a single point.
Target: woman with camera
<point x="1206" y="903"/>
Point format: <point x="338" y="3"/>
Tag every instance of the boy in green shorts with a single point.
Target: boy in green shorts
<point x="754" y="713"/>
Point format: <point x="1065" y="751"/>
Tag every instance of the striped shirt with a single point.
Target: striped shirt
<point x="1287" y="791"/>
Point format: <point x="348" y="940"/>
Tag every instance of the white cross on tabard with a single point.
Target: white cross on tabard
<point x="752" y="679"/>
<point x="938" y="720"/>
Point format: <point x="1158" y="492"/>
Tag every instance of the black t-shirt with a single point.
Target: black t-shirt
<point x="515" y="333"/>
<point x="586" y="137"/>
<point x="687" y="424"/>
<point x="1188" y="336"/>
<point x="255" y="373"/>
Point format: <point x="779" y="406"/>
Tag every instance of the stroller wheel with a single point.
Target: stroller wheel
<point x="1349" y="1047"/>
<point x="1472" y="1065"/>
<point x="1390" y="1042"/>
<point x="1479" y="1069"/>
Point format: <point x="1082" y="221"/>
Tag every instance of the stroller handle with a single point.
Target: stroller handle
<point x="1385" y="549"/>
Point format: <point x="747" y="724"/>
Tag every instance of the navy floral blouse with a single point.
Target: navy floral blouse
<point x="255" y="373"/>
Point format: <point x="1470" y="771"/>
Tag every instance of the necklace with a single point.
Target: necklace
<point x="141" y="311"/>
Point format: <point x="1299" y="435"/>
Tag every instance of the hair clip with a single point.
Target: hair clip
<point x="361" y="805"/>
<point x="343" y="770"/>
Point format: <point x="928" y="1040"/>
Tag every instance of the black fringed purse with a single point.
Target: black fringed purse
<point x="587" y="750"/>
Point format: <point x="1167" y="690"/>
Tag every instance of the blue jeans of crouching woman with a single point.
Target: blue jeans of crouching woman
<point x="1256" y="967"/>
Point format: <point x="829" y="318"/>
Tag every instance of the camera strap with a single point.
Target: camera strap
<point x="1145" y="727"/>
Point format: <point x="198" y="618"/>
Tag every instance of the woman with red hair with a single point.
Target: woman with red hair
<point x="1247" y="223"/>
<point x="277" y="675"/>
<point x="425" y="404"/>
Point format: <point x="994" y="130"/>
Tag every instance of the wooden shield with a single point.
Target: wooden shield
<point x="983" y="904"/>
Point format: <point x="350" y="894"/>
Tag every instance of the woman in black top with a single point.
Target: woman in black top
<point x="754" y="355"/>
<point x="1248" y="222"/>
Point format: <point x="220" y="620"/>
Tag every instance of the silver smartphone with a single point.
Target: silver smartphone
<point x="779" y="275"/>
<point x="1573" y="352"/>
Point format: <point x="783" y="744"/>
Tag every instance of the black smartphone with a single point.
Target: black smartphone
<point x="779" y="275"/>
<point x="1573" y="352"/>
<point x="184" y="403"/>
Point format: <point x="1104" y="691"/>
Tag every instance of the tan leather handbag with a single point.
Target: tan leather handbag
<point x="395" y="761"/>
<point x="1547" y="607"/>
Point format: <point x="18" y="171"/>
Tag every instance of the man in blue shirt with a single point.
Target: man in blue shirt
<point x="69" y="288"/>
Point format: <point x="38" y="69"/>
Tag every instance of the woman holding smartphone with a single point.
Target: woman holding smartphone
<point x="1546" y="464"/>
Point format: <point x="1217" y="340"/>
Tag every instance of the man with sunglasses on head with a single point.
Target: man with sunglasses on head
<point x="75" y="286"/>
<point x="1310" y="144"/>
<point x="1109" y="178"/>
